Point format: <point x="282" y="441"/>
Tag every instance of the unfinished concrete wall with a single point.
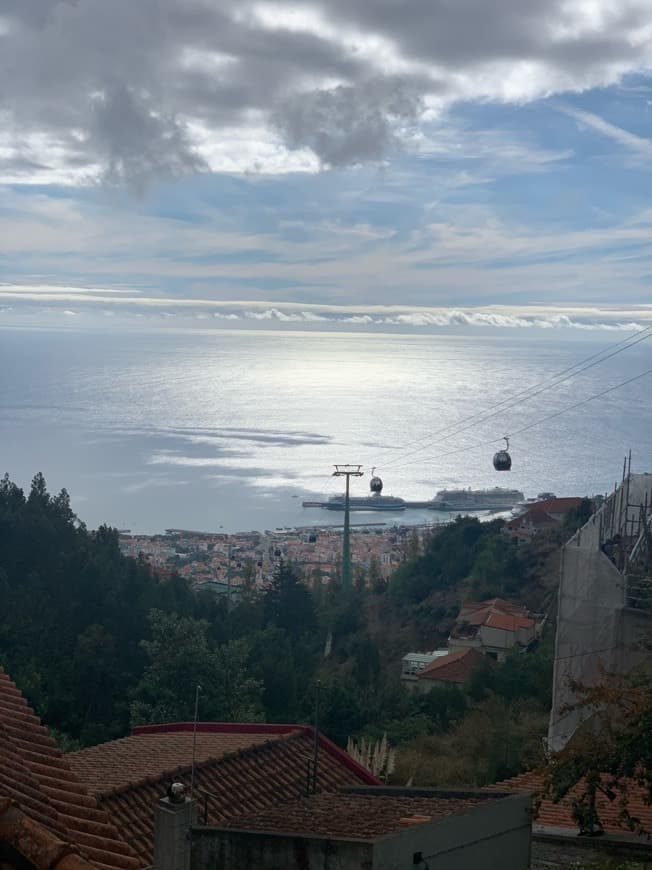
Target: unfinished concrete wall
<point x="589" y="633"/>
<point x="597" y="633"/>
<point x="223" y="849"/>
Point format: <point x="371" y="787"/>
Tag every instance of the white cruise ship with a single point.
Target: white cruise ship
<point x="496" y="499"/>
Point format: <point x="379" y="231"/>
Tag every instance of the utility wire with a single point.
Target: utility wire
<point x="541" y="419"/>
<point x="520" y="397"/>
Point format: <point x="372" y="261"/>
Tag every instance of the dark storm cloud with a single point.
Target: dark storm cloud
<point x="348" y="124"/>
<point x="136" y="142"/>
<point x="120" y="84"/>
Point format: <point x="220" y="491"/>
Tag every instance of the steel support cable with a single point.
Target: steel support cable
<point x="636" y="338"/>
<point x="540" y="420"/>
<point x="520" y="397"/>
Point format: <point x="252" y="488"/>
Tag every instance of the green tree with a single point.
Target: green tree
<point x="288" y="603"/>
<point x="273" y="663"/>
<point x="610" y="750"/>
<point x="180" y="657"/>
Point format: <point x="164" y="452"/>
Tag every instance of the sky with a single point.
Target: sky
<point x="414" y="164"/>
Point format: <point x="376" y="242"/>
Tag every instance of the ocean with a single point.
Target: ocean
<point x="230" y="430"/>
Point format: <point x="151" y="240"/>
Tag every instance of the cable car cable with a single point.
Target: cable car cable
<point x="553" y="380"/>
<point x="541" y="419"/>
<point x="523" y="396"/>
<point x="527" y="394"/>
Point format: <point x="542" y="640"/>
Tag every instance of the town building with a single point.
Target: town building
<point x="376" y="828"/>
<point x="413" y="663"/>
<point x="493" y="627"/>
<point x="141" y="802"/>
<point x="538" y="517"/>
<point x="237" y="766"/>
<point x="455" y="668"/>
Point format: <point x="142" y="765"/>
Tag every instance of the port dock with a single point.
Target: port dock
<point x="406" y="505"/>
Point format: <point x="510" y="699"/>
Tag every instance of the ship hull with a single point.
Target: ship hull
<point x="365" y="505"/>
<point x="468" y="500"/>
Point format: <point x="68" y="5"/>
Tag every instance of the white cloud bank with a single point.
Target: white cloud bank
<point x="50" y="301"/>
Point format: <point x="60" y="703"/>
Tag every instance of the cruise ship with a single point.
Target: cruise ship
<point x="496" y="499"/>
<point x="366" y="503"/>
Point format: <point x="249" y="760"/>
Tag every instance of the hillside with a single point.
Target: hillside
<point x="98" y="643"/>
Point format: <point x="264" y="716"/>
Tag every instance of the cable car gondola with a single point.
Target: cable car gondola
<point x="502" y="459"/>
<point x="375" y="484"/>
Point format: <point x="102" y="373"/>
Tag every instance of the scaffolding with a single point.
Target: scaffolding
<point x="605" y="599"/>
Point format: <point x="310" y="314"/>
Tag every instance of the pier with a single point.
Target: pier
<point x="406" y="505"/>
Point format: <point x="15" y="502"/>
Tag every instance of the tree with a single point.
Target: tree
<point x="272" y="662"/>
<point x="288" y="603"/>
<point x="610" y="750"/>
<point x="180" y="658"/>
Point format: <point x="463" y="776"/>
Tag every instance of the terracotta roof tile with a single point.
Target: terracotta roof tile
<point x="119" y="763"/>
<point x="35" y="774"/>
<point x="357" y="815"/>
<point x="34" y="842"/>
<point x="497" y="604"/>
<point x="507" y="622"/>
<point x="559" y="815"/>
<point x="456" y="667"/>
<point x="263" y="773"/>
<point x="559" y="505"/>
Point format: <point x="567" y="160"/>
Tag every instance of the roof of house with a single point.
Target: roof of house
<point x="500" y="603"/>
<point x="559" y="815"/>
<point x="456" y="667"/>
<point x="361" y="814"/>
<point x="34" y="843"/>
<point x="38" y="779"/>
<point x="270" y="766"/>
<point x="558" y="505"/>
<point x="535" y="516"/>
<point x="507" y="622"/>
<point x="119" y="763"/>
<point x="495" y="613"/>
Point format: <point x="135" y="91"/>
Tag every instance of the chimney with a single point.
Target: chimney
<point x="174" y="816"/>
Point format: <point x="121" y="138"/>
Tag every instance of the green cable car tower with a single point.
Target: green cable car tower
<point x="347" y="471"/>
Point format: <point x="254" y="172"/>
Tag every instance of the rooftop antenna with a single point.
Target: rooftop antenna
<point x="315" y="740"/>
<point x="347" y="471"/>
<point x="194" y="740"/>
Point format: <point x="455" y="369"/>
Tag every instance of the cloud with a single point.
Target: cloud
<point x="349" y="124"/>
<point x="128" y="91"/>
<point x="137" y="144"/>
<point x="628" y="140"/>
<point x="320" y="316"/>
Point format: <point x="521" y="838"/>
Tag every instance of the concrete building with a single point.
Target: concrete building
<point x="375" y="829"/>
<point x="605" y="600"/>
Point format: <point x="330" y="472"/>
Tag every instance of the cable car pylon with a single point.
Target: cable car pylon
<point x="347" y="471"/>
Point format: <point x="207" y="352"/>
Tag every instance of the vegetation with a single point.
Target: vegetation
<point x="99" y="643"/>
<point x="611" y="750"/>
